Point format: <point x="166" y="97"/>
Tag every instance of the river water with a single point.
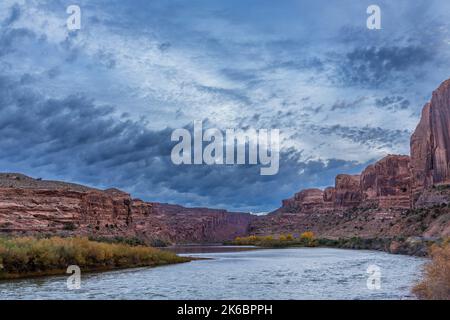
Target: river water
<point x="294" y="273"/>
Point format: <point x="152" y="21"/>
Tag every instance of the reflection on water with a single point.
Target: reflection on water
<point x="295" y="273"/>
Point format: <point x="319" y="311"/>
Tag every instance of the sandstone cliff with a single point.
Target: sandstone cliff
<point x="31" y="206"/>
<point x="386" y="184"/>
<point x="347" y="191"/>
<point x="430" y="144"/>
<point x="307" y="201"/>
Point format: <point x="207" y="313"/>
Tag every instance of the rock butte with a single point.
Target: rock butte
<point x="375" y="203"/>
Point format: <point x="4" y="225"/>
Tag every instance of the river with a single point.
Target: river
<point x="294" y="273"/>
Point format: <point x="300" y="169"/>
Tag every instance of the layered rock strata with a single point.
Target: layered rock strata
<point x="30" y="206"/>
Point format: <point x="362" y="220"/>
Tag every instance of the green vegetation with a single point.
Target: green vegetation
<point x="131" y="241"/>
<point x="441" y="187"/>
<point x="27" y="256"/>
<point x="306" y="239"/>
<point x="435" y="284"/>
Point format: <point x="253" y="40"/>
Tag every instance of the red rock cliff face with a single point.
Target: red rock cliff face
<point x="48" y="211"/>
<point x="430" y="143"/>
<point x="386" y="184"/>
<point x="76" y="210"/>
<point x="348" y="192"/>
<point x="345" y="194"/>
<point x="308" y="200"/>
<point x="201" y="224"/>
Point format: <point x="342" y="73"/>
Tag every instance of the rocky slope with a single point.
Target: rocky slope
<point x="31" y="206"/>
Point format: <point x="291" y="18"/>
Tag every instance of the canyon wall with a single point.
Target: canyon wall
<point x="30" y="206"/>
<point x="430" y="146"/>
<point x="384" y="184"/>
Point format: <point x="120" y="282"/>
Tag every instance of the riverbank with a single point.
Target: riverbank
<point x="414" y="246"/>
<point x="30" y="257"/>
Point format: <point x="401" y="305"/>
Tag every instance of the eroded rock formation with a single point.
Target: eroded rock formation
<point x="348" y="191"/>
<point x="430" y="143"/>
<point x="306" y="200"/>
<point x="386" y="184"/>
<point x="29" y="206"/>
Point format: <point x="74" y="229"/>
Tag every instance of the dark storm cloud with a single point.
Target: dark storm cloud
<point x="370" y="136"/>
<point x="314" y="64"/>
<point x="106" y="59"/>
<point x="14" y="15"/>
<point x="392" y="103"/>
<point x="240" y="75"/>
<point x="375" y="66"/>
<point x="237" y="95"/>
<point x="343" y="104"/>
<point x="11" y="37"/>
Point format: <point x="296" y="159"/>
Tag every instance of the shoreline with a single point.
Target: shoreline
<point x="411" y="246"/>
<point x="62" y="272"/>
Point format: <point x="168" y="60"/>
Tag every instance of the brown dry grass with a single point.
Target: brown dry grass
<point x="28" y="256"/>
<point x="435" y="284"/>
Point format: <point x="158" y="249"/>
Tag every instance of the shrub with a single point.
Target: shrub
<point x="435" y="284"/>
<point x="31" y="256"/>
<point x="69" y="226"/>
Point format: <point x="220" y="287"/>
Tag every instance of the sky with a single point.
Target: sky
<point x="97" y="105"/>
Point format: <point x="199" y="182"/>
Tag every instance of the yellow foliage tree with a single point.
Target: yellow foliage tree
<point x="308" y="235"/>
